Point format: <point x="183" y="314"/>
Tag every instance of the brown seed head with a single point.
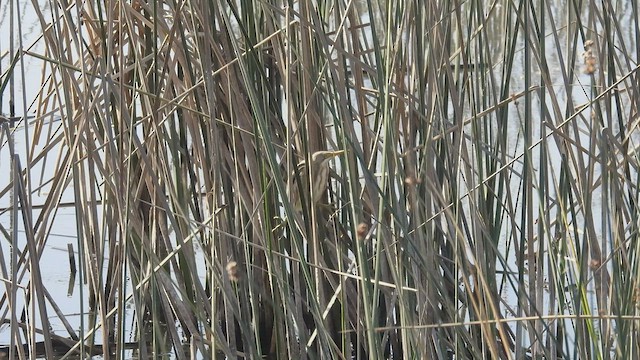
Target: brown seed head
<point x="412" y="180"/>
<point x="590" y="61"/>
<point x="233" y="271"/>
<point x="362" y="230"/>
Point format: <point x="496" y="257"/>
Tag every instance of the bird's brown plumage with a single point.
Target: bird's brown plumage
<point x="319" y="172"/>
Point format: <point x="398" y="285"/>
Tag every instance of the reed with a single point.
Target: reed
<point x="485" y="204"/>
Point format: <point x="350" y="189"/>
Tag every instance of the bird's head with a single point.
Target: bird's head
<point x="319" y="157"/>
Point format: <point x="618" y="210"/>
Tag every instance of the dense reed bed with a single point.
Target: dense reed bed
<point x="486" y="204"/>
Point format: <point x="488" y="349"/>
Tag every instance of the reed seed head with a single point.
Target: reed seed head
<point x="233" y="271"/>
<point x="412" y="180"/>
<point x="362" y="230"/>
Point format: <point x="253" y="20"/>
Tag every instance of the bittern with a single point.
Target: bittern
<point x="319" y="172"/>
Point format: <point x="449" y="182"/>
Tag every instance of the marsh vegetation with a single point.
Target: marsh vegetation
<point x="484" y="205"/>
